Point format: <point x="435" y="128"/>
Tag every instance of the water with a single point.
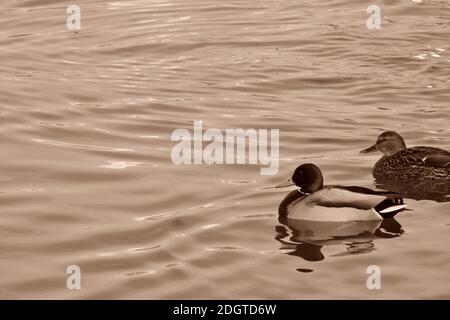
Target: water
<point x="86" y="176"/>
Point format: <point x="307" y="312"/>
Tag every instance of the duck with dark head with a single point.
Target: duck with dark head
<point x="315" y="202"/>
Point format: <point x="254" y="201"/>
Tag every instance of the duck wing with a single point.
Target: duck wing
<point x="345" y="197"/>
<point x="437" y="160"/>
<point x="423" y="156"/>
<point x="422" y="151"/>
<point x="363" y="190"/>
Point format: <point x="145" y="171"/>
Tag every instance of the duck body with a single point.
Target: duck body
<point x="413" y="164"/>
<point x="425" y="169"/>
<point x="336" y="204"/>
<point x="315" y="202"/>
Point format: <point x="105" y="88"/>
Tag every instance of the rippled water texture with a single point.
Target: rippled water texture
<point x="86" y="117"/>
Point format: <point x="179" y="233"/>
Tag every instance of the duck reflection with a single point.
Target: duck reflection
<point x="305" y="239"/>
<point x="417" y="191"/>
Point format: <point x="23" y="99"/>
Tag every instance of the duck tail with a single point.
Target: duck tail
<point x="390" y="207"/>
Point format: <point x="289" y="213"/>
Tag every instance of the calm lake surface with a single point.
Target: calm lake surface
<point x="86" y="176"/>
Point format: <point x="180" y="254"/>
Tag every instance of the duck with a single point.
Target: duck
<point x="423" y="168"/>
<point x="313" y="201"/>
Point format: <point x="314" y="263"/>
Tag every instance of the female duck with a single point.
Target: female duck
<point x="425" y="167"/>
<point x="313" y="201"/>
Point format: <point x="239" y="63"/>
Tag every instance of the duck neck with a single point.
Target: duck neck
<point x="392" y="148"/>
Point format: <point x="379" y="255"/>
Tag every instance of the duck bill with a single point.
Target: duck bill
<point x="285" y="184"/>
<point x="372" y="148"/>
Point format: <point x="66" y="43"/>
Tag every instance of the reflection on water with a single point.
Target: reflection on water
<point x="306" y="239"/>
<point x="418" y="191"/>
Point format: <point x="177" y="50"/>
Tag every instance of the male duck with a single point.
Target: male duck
<point x="313" y="201"/>
<point x="426" y="168"/>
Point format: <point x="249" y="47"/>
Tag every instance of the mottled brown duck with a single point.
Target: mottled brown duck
<point x="425" y="169"/>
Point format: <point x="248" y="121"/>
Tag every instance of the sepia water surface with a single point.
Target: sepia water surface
<point x="86" y="176"/>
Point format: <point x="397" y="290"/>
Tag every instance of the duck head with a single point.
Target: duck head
<point x="389" y="143"/>
<point x="307" y="177"/>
